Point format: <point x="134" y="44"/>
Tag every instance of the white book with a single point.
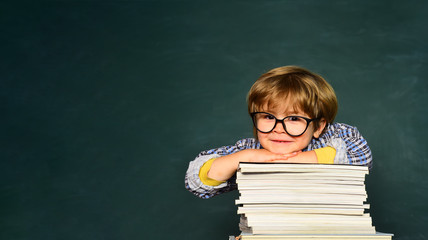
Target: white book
<point x="300" y="209"/>
<point x="309" y="176"/>
<point x="275" y="205"/>
<point x="296" y="167"/>
<point x="307" y="219"/>
<point x="302" y="189"/>
<point x="291" y="182"/>
<point x="313" y="230"/>
<point x="303" y="198"/>
<point x="376" y="236"/>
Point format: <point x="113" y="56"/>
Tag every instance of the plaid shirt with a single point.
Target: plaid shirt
<point x="351" y="148"/>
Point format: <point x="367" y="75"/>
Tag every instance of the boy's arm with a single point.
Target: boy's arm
<point x="205" y="182"/>
<point x="225" y="167"/>
<point x="211" y="174"/>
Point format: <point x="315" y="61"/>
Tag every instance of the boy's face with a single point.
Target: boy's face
<point x="278" y="141"/>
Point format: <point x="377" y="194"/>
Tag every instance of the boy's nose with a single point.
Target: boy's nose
<point x="279" y="128"/>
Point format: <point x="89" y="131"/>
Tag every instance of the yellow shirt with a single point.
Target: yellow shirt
<point x="325" y="155"/>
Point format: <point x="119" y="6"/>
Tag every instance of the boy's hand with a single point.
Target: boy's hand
<point x="263" y="155"/>
<point x="224" y="167"/>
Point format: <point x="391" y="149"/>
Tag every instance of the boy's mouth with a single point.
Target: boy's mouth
<point x="280" y="141"/>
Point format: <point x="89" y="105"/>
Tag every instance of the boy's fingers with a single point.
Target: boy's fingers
<point x="283" y="157"/>
<point x="289" y="154"/>
<point x="280" y="160"/>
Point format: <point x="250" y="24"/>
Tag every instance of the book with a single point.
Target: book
<point x="304" y="201"/>
<point x="302" y="209"/>
<point x="376" y="236"/>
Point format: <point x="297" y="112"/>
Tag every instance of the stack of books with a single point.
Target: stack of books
<point x="304" y="201"/>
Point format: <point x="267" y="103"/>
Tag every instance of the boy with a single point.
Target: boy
<point x="292" y="111"/>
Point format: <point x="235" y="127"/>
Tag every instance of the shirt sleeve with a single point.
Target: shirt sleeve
<point x="192" y="180"/>
<point x="351" y="147"/>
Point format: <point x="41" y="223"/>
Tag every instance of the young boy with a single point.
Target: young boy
<point x="292" y="111"/>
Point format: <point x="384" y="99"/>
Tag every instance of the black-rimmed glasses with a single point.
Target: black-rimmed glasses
<point x="294" y="125"/>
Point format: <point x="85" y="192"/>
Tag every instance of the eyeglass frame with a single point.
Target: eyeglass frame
<point x="308" y="121"/>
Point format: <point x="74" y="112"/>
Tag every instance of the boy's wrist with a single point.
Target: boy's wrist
<point x="305" y="157"/>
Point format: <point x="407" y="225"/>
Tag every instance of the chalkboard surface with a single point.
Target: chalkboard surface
<point x="104" y="104"/>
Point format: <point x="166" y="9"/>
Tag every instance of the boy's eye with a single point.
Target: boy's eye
<point x="267" y="117"/>
<point x="293" y="118"/>
<point x="270" y="117"/>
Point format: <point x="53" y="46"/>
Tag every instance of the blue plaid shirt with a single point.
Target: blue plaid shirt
<point x="351" y="148"/>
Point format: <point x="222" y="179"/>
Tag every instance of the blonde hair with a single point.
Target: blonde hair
<point x="304" y="90"/>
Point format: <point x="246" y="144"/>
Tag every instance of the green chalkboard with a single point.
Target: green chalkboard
<point x="104" y="104"/>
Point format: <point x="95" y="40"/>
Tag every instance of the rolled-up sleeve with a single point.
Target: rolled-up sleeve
<point x="192" y="179"/>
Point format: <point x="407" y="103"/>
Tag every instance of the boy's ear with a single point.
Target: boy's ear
<point x="318" y="132"/>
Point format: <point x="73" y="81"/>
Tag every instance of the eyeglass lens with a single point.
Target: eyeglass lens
<point x="294" y="125"/>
